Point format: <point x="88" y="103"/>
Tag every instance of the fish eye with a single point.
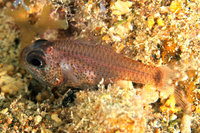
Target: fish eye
<point x="36" y="59"/>
<point x="39" y="42"/>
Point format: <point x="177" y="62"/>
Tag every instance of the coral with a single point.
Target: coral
<point x="108" y="111"/>
<point x="169" y="105"/>
<point x="30" y="31"/>
<point x="121" y="7"/>
<point x="8" y="39"/>
<point x="11" y="85"/>
<point x="175" y="7"/>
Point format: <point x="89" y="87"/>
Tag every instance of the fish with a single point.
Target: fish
<point x="81" y="62"/>
<point x="57" y="62"/>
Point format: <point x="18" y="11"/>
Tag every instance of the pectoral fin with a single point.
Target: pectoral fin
<point x="68" y="72"/>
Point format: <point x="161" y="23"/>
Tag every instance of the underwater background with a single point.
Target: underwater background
<point x="156" y="33"/>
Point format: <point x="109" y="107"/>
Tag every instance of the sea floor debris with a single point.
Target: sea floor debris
<point x="155" y="33"/>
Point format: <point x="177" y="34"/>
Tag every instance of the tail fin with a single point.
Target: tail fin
<point x="169" y="76"/>
<point x="181" y="100"/>
<point x="165" y="86"/>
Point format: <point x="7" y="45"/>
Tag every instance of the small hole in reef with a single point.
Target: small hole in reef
<point x="17" y="42"/>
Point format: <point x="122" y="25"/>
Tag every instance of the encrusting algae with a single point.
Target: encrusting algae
<point x="156" y="33"/>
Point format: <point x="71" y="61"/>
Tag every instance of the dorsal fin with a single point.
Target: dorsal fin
<point x="89" y="40"/>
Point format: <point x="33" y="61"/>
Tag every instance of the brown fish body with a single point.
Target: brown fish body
<point x="78" y="63"/>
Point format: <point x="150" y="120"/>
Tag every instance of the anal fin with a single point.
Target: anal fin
<point x="181" y="100"/>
